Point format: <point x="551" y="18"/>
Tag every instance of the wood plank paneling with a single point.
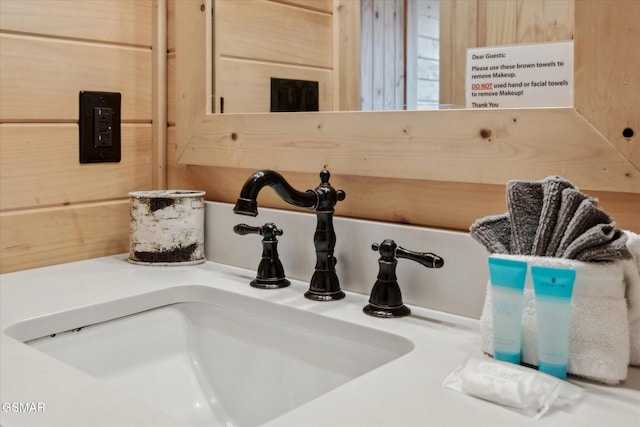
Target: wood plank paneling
<point x="171" y="88"/>
<point x="475" y="23"/>
<point x="39" y="166"/>
<point x="120" y="21"/>
<point x="497" y="20"/>
<point x="454" y="205"/>
<point x="171" y="26"/>
<point x="42" y="237"/>
<point x="41" y="78"/>
<point x="254" y="79"/>
<point x="448" y="205"/>
<point x="346" y="55"/>
<point x="54" y="209"/>
<point x="274" y="32"/>
<point x="458" y="31"/>
<point x="623" y="208"/>
<point x="259" y="39"/>
<point x="544" y="21"/>
<point x="325" y="6"/>
<point x="494" y="146"/>
<point x="611" y="101"/>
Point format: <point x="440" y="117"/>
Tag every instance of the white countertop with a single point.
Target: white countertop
<point x="404" y="392"/>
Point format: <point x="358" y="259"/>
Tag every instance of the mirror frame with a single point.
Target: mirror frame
<point x="486" y="146"/>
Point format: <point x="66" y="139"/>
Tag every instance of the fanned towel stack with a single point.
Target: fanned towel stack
<point x="551" y="223"/>
<point x="552" y="218"/>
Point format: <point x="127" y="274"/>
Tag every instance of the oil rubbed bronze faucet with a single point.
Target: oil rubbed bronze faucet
<point x="324" y="285"/>
<point x="270" y="271"/>
<point x="386" y="298"/>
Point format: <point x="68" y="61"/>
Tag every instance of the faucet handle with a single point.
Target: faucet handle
<point x="386" y="297"/>
<point x="425" y="258"/>
<point x="244" y="229"/>
<point x="269" y="230"/>
<point x="270" y="273"/>
<point x="389" y="250"/>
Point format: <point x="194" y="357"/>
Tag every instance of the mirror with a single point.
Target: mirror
<point x="395" y="44"/>
<point x="587" y="143"/>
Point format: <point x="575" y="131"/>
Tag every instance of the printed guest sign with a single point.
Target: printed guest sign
<point x="536" y="75"/>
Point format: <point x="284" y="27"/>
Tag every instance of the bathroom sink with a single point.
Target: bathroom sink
<point x="210" y="357"/>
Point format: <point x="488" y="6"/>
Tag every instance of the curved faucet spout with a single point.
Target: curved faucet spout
<point x="324" y="285"/>
<point x="247" y="202"/>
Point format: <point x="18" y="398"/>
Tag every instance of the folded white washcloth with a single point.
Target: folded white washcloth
<point x="599" y="346"/>
<point x="631" y="270"/>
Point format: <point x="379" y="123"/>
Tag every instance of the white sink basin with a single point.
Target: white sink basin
<point x="210" y="357"/>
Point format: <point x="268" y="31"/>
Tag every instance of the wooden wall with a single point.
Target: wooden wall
<point x="493" y="23"/>
<point x="445" y="204"/>
<point x="257" y="40"/>
<point x="52" y="208"/>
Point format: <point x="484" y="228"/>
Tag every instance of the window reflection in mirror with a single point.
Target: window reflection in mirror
<point x="399" y="54"/>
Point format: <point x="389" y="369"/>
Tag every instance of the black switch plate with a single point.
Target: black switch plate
<point x="293" y="95"/>
<point x="99" y="127"/>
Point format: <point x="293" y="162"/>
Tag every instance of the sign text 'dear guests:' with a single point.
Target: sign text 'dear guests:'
<point x="537" y="75"/>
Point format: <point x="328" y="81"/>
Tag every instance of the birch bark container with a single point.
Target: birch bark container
<point x="167" y="227"/>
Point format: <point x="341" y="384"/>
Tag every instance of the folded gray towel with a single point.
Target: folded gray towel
<point x="494" y="232"/>
<point x="587" y="215"/>
<point x="602" y="243"/>
<point x="571" y="199"/>
<point x="552" y="189"/>
<point x="524" y="200"/>
<point x="551" y="218"/>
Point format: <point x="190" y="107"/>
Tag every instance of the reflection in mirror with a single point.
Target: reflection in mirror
<point x="256" y="41"/>
<point x="399" y="54"/>
<point x="458" y="159"/>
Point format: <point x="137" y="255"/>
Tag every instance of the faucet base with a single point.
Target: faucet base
<point x="324" y="285"/>
<point x="386" y="312"/>
<point x="324" y="296"/>
<point x="270" y="284"/>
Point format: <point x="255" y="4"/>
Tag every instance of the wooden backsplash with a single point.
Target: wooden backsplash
<point x="52" y="208"/>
